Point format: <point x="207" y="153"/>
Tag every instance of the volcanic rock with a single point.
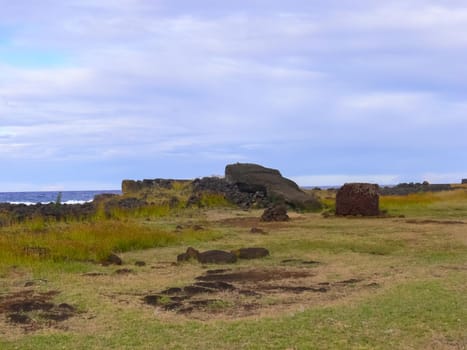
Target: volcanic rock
<point x="190" y="253"/>
<point x="257" y="230"/>
<point x="251" y="253"/>
<point x="112" y="259"/>
<point x="277" y="212"/>
<point x="216" y="257"/>
<point x="252" y="178"/>
<point x="358" y="199"/>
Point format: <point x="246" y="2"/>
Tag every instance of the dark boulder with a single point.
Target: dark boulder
<point x="208" y="257"/>
<point x="277" y="212"/>
<point x="112" y="259"/>
<point x="257" y="230"/>
<point x="216" y="257"/>
<point x="190" y="253"/>
<point x="253" y="178"/>
<point x="358" y="199"/>
<point x="251" y="253"/>
<point x="464" y="181"/>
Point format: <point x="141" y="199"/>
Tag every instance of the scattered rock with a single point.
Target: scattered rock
<point x="208" y="257"/>
<point x="112" y="259"/>
<point x="251" y="253"/>
<point x="232" y="292"/>
<point x="358" y="199"/>
<point x="123" y="271"/>
<point x="277" y="212"/>
<point x="93" y="274"/>
<point x="257" y="230"/>
<point x="190" y="253"/>
<point x="33" y="310"/>
<point x="19" y="318"/>
<point x="140" y="263"/>
<point x="216" y="257"/>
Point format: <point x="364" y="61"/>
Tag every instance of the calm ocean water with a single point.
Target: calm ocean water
<point x="67" y="197"/>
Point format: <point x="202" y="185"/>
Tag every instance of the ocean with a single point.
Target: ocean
<point x="67" y="197"/>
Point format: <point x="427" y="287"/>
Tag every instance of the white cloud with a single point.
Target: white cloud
<point x="235" y="80"/>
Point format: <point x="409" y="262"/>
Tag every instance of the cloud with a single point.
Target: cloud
<point x="219" y="81"/>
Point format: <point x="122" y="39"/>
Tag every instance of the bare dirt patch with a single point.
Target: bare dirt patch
<point x="245" y="292"/>
<point x="440" y="222"/>
<point x="31" y="310"/>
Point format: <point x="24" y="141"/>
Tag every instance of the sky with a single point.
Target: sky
<point x="96" y="91"/>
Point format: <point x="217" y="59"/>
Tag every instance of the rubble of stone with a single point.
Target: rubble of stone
<point x="11" y="213"/>
<point x="208" y="257"/>
<point x="231" y="192"/>
<point x="222" y="257"/>
<point x="130" y="187"/>
<point x="358" y="199"/>
<point x="245" y="185"/>
<point x="277" y="212"/>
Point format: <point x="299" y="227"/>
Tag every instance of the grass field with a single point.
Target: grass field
<point x="398" y="282"/>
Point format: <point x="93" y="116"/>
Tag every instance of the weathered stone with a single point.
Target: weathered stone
<point x="257" y="230"/>
<point x="253" y="178"/>
<point x="216" y="257"/>
<point x="190" y="253"/>
<point x="112" y="259"/>
<point x="464" y="181"/>
<point x="251" y="253"/>
<point x="277" y="212"/>
<point x="358" y="199"/>
<point x="132" y="186"/>
<point x="231" y="192"/>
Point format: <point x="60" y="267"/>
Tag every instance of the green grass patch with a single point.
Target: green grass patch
<point x="447" y="204"/>
<point x="413" y="315"/>
<point x="86" y="241"/>
<point x="341" y="245"/>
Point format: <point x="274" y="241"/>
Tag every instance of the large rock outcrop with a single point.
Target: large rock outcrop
<point x="464" y="181"/>
<point x="253" y="178"/>
<point x="358" y="199"/>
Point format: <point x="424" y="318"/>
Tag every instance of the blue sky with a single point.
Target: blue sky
<point x="93" y="92"/>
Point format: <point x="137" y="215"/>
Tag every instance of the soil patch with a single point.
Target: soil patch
<point x="244" y="292"/>
<point x="254" y="275"/>
<point x="441" y="222"/>
<point x="31" y="310"/>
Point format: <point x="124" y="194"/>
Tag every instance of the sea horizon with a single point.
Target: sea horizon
<point x="45" y="197"/>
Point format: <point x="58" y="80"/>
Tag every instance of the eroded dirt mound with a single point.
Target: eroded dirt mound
<point x="244" y="292"/>
<point x="32" y="310"/>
